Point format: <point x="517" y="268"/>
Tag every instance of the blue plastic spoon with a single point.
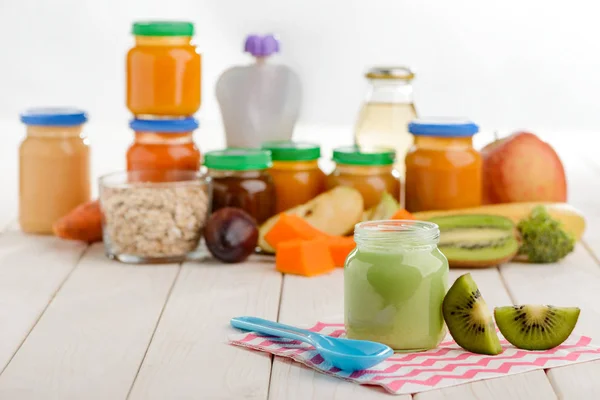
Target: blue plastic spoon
<point x="345" y="354"/>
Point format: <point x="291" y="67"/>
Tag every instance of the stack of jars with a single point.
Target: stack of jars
<point x="163" y="94"/>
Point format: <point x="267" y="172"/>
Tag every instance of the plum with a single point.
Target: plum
<point x="231" y="235"/>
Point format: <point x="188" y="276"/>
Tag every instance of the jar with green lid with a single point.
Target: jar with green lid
<point x="241" y="179"/>
<point x="395" y="281"/>
<point x="163" y="70"/>
<point x="368" y="170"/>
<point x="296" y="173"/>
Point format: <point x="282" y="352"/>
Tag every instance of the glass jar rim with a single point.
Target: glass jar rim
<point x="169" y="178"/>
<point x="400" y="232"/>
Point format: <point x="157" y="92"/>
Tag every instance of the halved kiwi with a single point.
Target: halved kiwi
<point x="536" y="327"/>
<point x="476" y="240"/>
<point x="469" y="319"/>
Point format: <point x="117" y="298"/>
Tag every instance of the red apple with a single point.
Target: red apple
<point x="521" y="168"/>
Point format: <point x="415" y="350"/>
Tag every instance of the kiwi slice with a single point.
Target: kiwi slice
<point x="536" y="327"/>
<point x="469" y="319"/>
<point x="476" y="240"/>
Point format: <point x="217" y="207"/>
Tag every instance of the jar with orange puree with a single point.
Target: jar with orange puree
<point x="163" y="70"/>
<point x="163" y="144"/>
<point x="369" y="170"/>
<point x="443" y="170"/>
<point x="54" y="167"/>
<point x="296" y="173"/>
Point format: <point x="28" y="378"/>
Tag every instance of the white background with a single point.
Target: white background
<point x="508" y="65"/>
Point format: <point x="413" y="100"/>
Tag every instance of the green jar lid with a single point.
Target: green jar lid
<point x="238" y="159"/>
<point x="372" y="156"/>
<point x="163" y="28"/>
<point x="292" y="151"/>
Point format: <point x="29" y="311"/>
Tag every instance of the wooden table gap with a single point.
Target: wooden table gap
<point x="154" y="331"/>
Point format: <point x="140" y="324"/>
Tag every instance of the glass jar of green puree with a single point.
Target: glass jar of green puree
<point x="394" y="283"/>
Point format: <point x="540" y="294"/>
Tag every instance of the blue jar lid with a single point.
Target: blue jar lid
<point x="54" y="117"/>
<point x="175" y="125"/>
<point x="443" y="127"/>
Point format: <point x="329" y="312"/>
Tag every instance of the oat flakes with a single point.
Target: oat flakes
<point x="151" y="222"/>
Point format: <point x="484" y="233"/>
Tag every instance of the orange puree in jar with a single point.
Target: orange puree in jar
<point x="54" y="167"/>
<point x="295" y="172"/>
<point x="443" y="170"/>
<point x="370" y="171"/>
<point x="165" y="144"/>
<point x="163" y="70"/>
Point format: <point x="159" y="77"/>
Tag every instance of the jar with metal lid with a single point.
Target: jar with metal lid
<point x="369" y="170"/>
<point x="241" y="179"/>
<point x="54" y="167"/>
<point x="386" y="111"/>
<point x="163" y="144"/>
<point x="296" y="173"/>
<point x="443" y="170"/>
<point x="163" y="70"/>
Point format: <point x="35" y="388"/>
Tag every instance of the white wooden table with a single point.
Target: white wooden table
<point x="74" y="325"/>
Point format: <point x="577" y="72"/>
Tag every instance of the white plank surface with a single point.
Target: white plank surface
<point x="32" y="268"/>
<point x="189" y="357"/>
<point x="530" y="385"/>
<point x="91" y="339"/>
<point x="583" y="168"/>
<point x="573" y="282"/>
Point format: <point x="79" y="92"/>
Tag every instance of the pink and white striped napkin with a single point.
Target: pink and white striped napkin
<point x="448" y="365"/>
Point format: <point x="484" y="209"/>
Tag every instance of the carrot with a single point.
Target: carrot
<point x="82" y="223"/>
<point x="291" y="227"/>
<point x="339" y="248"/>
<point x="402" y="214"/>
<point x="304" y="257"/>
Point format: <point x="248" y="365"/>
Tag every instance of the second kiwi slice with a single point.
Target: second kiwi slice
<point x="476" y="240"/>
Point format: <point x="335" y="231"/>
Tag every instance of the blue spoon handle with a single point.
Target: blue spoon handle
<point x="272" y="328"/>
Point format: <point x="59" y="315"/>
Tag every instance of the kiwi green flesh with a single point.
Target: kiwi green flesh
<point x="480" y="251"/>
<point x="470" y="235"/>
<point x="536" y="327"/>
<point x="469" y="319"/>
<point x="473" y="221"/>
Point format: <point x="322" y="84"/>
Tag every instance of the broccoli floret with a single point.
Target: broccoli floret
<point x="543" y="238"/>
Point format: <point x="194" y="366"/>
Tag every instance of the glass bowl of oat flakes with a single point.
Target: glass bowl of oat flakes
<point x="154" y="216"/>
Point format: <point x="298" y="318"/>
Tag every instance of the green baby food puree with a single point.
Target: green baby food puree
<point x="393" y="294"/>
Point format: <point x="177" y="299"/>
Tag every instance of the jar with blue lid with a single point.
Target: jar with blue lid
<point x="54" y="167"/>
<point x="164" y="144"/>
<point x="443" y="169"/>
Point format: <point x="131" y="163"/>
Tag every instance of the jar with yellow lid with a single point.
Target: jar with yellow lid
<point x="54" y="167"/>
<point x="296" y="173"/>
<point x="370" y="171"/>
<point x="386" y="112"/>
